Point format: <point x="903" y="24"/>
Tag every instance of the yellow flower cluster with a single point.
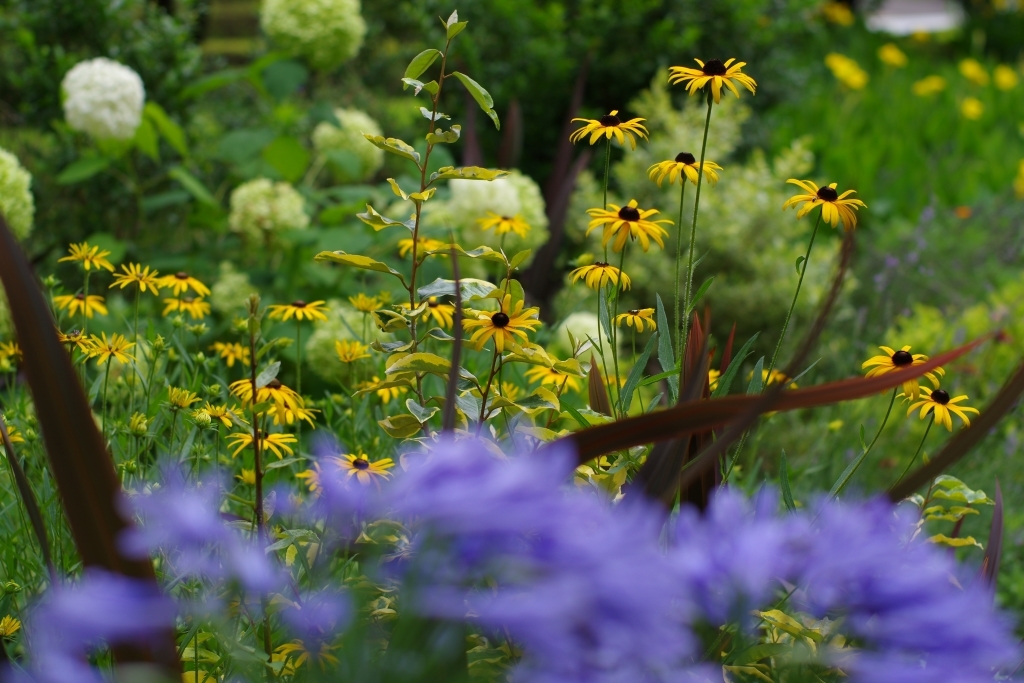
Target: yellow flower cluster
<point x="846" y="71"/>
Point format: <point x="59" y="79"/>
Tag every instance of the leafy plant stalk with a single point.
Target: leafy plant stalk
<point x="847" y="475"/>
<point x="918" y="452"/>
<point x="676" y="329"/>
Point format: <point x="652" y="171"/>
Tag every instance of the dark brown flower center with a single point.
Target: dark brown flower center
<point x="600" y="264"/>
<point x="629" y="213"/>
<point x="609" y="121"/>
<point x="634" y="311"/>
<point x="901" y="358"/>
<point x="181" y="275"/>
<point x="299" y="303"/>
<point x="361" y="464"/>
<point x="506" y="218"/>
<point x="80" y="296"/>
<point x="274" y="384"/>
<point x="714" y="67"/>
<point x="685" y="158"/>
<point x="432" y="304"/>
<point x="827" y="194"/>
<point x="940" y="396"/>
<point x="187" y="300"/>
<point x="500" y="319"/>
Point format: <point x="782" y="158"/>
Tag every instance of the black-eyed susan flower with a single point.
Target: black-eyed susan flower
<point x="116" y="346"/>
<point x="423" y="245"/>
<point x="300" y="310"/>
<point x="597" y="275"/>
<point x="834" y="206"/>
<point x="637" y="318"/>
<point x="274" y="391"/>
<point x="892" y="55"/>
<point x="80" y="303"/>
<point x="138" y="425"/>
<point x="776" y="377"/>
<point x="296" y="653"/>
<point x="713" y="73"/>
<point x="10" y="350"/>
<point x="141" y="276"/>
<point x="847" y="71"/>
<point x="929" y="85"/>
<point x="9" y="626"/>
<point x="504" y="224"/>
<point x="180" y="398"/>
<point x="360" y="467"/>
<point x="74" y="338"/>
<point x="279" y="444"/>
<point x="231" y="352"/>
<point x="364" y="304"/>
<point x="181" y="281"/>
<point x="608" y="125"/>
<point x="227" y="415"/>
<point x="88" y="257"/>
<point x="685" y="164"/>
<point x="713" y="377"/>
<point x="937" y="401"/>
<point x="510" y="391"/>
<point x="553" y="377"/>
<point x="625" y="222"/>
<point x="505" y="325"/>
<point x="12" y="432"/>
<point x="385" y="394"/>
<point x="896" y="360"/>
<point x="312" y="479"/>
<point x="287" y="412"/>
<point x="350" y="351"/>
<point x="194" y="306"/>
<point x="1005" y="77"/>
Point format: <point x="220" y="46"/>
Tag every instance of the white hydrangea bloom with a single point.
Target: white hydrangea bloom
<point x="229" y="293"/>
<point x="16" y="202"/>
<point x="104" y="99"/>
<point x="343" y="322"/>
<point x="349" y="138"/>
<point x="324" y="32"/>
<point x="261" y="207"/>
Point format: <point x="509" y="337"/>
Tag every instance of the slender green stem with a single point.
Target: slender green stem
<point x="106" y="379"/>
<point x="799" y="283"/>
<point x="847" y="475"/>
<point x="919" y="448"/>
<point x="135" y="367"/>
<point x="693" y="237"/>
<point x="615" y="333"/>
<point x="298" y="375"/>
<point x="85" y="307"/>
<point x="607" y="168"/>
<point x="679" y="259"/>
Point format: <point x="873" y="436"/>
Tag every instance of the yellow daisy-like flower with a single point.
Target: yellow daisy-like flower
<point x="637" y="318"/>
<point x="298" y="654"/>
<point x="684" y="164"/>
<point x="288" y="412"/>
<point x="75" y="303"/>
<point x="777" y="377"/>
<point x="364" y="304"/>
<point x="443" y="314"/>
<point x="9" y="350"/>
<point x="972" y="70"/>
<point x="622" y="223"/>
<point x="609" y="125"/>
<point x="713" y="73"/>
<point x="181" y="281"/>
<point x="312" y="479"/>
<point x="892" y="55"/>
<point x="939" y="402"/>
<point x="1005" y="77"/>
<point x="553" y="377"/>
<point x="181" y="398"/>
<point x="195" y="307"/>
<point x="75" y="338"/>
<point x="510" y="391"/>
<point x="12" y="432"/>
<point x="423" y="244"/>
<point x="838" y="13"/>
<point x="929" y="85"/>
<point x="972" y="109"/>
<point x="277" y="443"/>
<point x="9" y="626"/>
<point x="88" y="257"/>
<point x="386" y="394"/>
<point x="228" y="416"/>
<point x="597" y="275"/>
<point x="350" y="351"/>
<point x="275" y="392"/>
<point x="116" y="347"/>
<point x="361" y="468"/>
<point x="135" y="274"/>
<point x="300" y="310"/>
<point x="247" y="477"/>
<point x="834" y="206"/>
<point x="895" y="360"/>
<point x="503" y="326"/>
<point x="713" y="377"/>
<point x="232" y="353"/>
<point x="847" y="71"/>
<point x="504" y="224"/>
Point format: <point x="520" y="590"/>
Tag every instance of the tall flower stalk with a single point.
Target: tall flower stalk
<point x="693" y="237"/>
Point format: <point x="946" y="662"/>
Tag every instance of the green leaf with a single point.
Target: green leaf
<point x="147" y="141"/>
<point x="456" y="28"/>
<point x="433" y="115"/>
<point x="81" y="169"/>
<point x="756" y="383"/>
<point x="389" y="321"/>
<point x="466" y="173"/>
<point x="576" y="415"/>
<point x="400" y="426"/>
<point x="288" y="157"/>
<point x="666" y="354"/>
<point x="420" y="362"/>
<point x="277" y="464"/>
<point x="170" y="130"/>
<point x="193" y="185"/>
<point x="725" y="381"/>
<point x="358" y="261"/>
<point x="268" y="375"/>
<point x="636" y="373"/>
<point x="700" y="293"/>
<point x="485" y="253"/>
<point x="482" y="97"/>
<point x="283" y="78"/>
<point x="417" y="86"/>
<point x="445" y="137"/>
<point x="421" y="63"/>
<point x="602" y="314"/>
<point x="799" y="260"/>
<point x="419" y="412"/>
<point x="787" y="494"/>
<point x="943" y="539"/>
<point x="214" y="81"/>
<point x="395" y="146"/>
<point x="519" y="258"/>
<point x="379" y="222"/>
<point x="470" y="288"/>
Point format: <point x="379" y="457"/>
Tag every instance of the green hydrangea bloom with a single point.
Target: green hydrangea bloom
<point x="360" y="159"/>
<point x="16" y="202"/>
<point x="231" y="290"/>
<point x="261" y="207"/>
<point x="325" y="33"/>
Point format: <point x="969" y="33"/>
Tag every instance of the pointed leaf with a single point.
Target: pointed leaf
<point x="725" y="381"/>
<point x="456" y="28"/>
<point x="420" y="362"/>
<point x="700" y="293"/>
<point x="357" y="261"/>
<point x="419" y="412"/>
<point x="81" y="169"/>
<point x="379" y="222"/>
<point x="421" y="63"/>
<point x="787" y="494"/>
<point x="470" y="288"/>
<point x="466" y="173"/>
<point x="400" y="426"/>
<point x="626" y="396"/>
<point x="598" y="391"/>
<point x="192" y="185"/>
<point x="268" y="375"/>
<point x="482" y="97"/>
<point x="666" y="354"/>
<point x="395" y="146"/>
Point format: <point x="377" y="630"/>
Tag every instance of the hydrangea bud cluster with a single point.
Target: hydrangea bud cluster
<point x="324" y="32"/>
<point x="104" y="99"/>
<point x="262" y="207"/>
<point x="348" y="137"/>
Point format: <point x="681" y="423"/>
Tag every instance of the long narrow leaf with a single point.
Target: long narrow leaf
<point x="598" y="392"/>
<point x="725" y="381"/>
<point x="787" y="493"/>
<point x="666" y="355"/>
<point x="28" y="499"/>
<point x="994" y="547"/>
<point x="626" y="398"/>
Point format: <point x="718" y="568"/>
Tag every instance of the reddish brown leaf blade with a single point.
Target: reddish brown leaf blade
<point x="727" y="352"/>
<point x="599" y="401"/>
<point x="701" y="415"/>
<point x="965" y="440"/>
<point x="994" y="547"/>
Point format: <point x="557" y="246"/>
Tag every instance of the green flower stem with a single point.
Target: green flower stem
<point x="921" y="446"/>
<point x="799" y="283"/>
<point x="135" y="367"/>
<point x="615" y="333"/>
<point x="679" y="258"/>
<point x="847" y="475"/>
<point x="106" y="379"/>
<point x="298" y="376"/>
<point x="607" y="169"/>
<point x="693" y="236"/>
<point x="85" y="308"/>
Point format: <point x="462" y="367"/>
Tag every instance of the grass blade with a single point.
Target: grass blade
<point x="626" y="398"/>
<point x="994" y="547"/>
<point x="666" y="356"/>
<point x="725" y="381"/>
<point x="28" y="499"/>
<point x="787" y="494"/>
